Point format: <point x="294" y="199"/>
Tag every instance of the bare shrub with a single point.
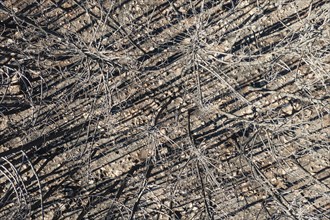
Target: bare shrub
<point x="164" y="109"/>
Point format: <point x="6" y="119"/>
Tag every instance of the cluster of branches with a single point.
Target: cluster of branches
<point x="176" y="109"/>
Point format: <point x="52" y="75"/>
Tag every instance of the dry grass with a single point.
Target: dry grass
<point x="164" y="109"/>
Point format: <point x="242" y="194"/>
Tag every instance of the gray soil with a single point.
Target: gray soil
<point x="167" y="109"/>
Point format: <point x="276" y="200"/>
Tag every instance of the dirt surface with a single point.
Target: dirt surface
<point x="164" y="109"/>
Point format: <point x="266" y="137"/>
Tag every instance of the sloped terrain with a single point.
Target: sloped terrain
<point x="144" y="109"/>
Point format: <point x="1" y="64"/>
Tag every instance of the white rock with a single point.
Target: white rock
<point x="287" y="109"/>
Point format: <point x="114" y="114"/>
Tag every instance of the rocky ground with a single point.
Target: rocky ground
<point x="172" y="109"/>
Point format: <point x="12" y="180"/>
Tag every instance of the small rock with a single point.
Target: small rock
<point x="162" y="131"/>
<point x="249" y="110"/>
<point x="287" y="109"/>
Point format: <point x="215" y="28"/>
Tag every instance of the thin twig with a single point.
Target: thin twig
<point x="19" y="178"/>
<point x="161" y="110"/>
<point x="271" y="189"/>
<point x="192" y="142"/>
<point x="40" y="188"/>
<point x="137" y="201"/>
<point x="10" y="180"/>
<point x="211" y="70"/>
